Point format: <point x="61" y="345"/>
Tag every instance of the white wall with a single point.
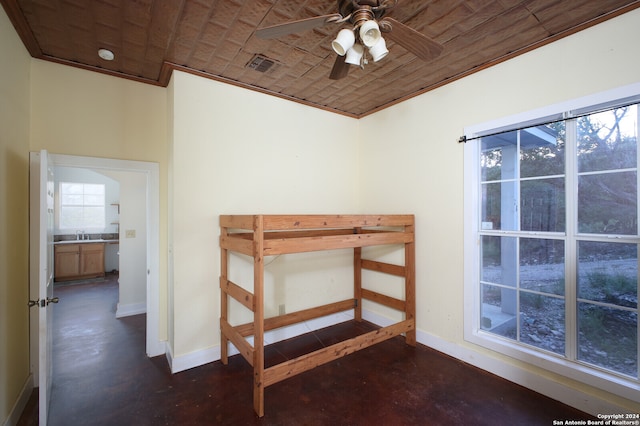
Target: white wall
<point x="133" y="242"/>
<point x="235" y="151"/>
<point x="418" y="140"/>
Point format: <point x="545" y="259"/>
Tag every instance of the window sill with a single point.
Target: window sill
<point x="591" y="376"/>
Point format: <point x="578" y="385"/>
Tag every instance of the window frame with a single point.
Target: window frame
<point x="473" y="333"/>
<point x="61" y="208"/>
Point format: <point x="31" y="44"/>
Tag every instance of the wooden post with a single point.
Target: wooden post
<point x="258" y="315"/>
<point x="357" y="281"/>
<point x="224" y="300"/>
<point x="410" y="283"/>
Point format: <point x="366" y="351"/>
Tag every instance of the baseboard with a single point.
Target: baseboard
<point x="156" y="347"/>
<point x="21" y="402"/>
<point x="191" y="360"/>
<point x="126" y="310"/>
<point x="211" y="354"/>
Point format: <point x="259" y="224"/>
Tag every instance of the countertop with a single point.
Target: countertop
<point x="87" y="241"/>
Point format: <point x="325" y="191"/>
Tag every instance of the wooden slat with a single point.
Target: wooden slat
<point x="299" y="245"/>
<point x="237" y="221"/>
<point x="275" y="222"/>
<point x="308" y="314"/>
<point x="245" y="329"/>
<point x="311" y="360"/>
<point x="383" y="299"/>
<point x="240" y="294"/>
<point x="387" y="268"/>
<point x="299" y="316"/>
<point x="238" y="341"/>
<point x="242" y="235"/>
<point x="273" y="235"/>
<point x="239" y="245"/>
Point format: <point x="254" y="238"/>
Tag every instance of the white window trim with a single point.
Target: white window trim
<point x="627" y="388"/>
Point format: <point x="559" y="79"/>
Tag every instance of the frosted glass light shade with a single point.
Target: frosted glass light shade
<point x="343" y="42"/>
<point x="379" y="51"/>
<point x="354" y="55"/>
<point x="370" y="33"/>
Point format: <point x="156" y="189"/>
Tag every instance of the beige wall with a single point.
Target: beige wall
<point x="14" y="216"/>
<point x="236" y="151"/>
<point x="77" y="112"/>
<point x="418" y="140"/>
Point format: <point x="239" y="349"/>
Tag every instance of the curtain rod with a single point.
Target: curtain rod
<point x="565" y="116"/>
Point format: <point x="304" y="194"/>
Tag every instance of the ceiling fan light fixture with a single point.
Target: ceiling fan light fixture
<point x="370" y="33"/>
<point x="354" y="55"/>
<point x="379" y="50"/>
<point x="343" y="42"/>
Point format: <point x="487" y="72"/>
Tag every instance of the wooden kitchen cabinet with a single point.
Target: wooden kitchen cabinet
<point x="77" y="261"/>
<point x="92" y="260"/>
<point x="67" y="261"/>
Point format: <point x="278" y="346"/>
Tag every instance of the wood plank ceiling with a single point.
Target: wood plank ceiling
<point x="216" y="39"/>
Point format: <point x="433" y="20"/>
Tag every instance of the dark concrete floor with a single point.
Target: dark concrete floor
<point x="103" y="377"/>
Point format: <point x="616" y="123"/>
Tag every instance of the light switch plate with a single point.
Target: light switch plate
<point x="130" y="233"/>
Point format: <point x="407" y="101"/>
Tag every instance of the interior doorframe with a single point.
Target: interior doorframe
<point x="154" y="346"/>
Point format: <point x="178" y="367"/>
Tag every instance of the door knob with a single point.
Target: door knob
<point x="43" y="303"/>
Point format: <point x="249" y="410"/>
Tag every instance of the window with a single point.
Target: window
<point x="552" y="251"/>
<point x="82" y="206"/>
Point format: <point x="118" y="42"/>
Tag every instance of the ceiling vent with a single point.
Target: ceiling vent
<point x="261" y="63"/>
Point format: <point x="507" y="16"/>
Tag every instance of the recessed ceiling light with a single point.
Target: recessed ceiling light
<point x="106" y="54"/>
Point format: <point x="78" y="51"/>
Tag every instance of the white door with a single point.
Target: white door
<point x="41" y="282"/>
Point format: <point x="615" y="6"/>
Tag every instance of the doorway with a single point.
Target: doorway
<point x="149" y="172"/>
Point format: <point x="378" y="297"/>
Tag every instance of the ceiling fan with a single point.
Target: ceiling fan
<point x="367" y="23"/>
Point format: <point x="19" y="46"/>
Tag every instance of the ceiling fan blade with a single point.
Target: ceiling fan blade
<point x="340" y="68"/>
<point x="287" y="28"/>
<point x="415" y="42"/>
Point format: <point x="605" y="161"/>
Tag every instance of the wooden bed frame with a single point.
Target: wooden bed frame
<point x="258" y="236"/>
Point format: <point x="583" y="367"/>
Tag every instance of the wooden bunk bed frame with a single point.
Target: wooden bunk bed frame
<point x="258" y="236"/>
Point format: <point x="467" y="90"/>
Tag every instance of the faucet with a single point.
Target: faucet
<point x="80" y="235"/>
